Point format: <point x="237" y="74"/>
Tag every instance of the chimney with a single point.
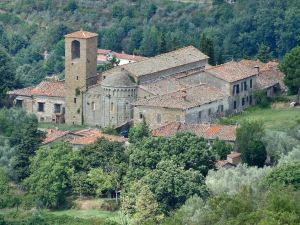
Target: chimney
<point x="258" y="69"/>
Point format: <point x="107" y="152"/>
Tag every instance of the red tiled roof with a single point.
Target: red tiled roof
<point x="82" y="137"/>
<point x="52" y="135"/>
<point x="118" y="55"/>
<point x="91" y="136"/>
<point x="45" y="88"/>
<point x="232" y="71"/>
<point x="207" y="131"/>
<point x="81" y="35"/>
<point x="262" y="66"/>
<point x="24" y="91"/>
<point x="233" y="155"/>
<point x="269" y="74"/>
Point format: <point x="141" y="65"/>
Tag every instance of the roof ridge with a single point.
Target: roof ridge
<point x="163" y="54"/>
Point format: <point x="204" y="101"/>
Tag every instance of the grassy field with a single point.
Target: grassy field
<point x="61" y="126"/>
<point x="273" y="118"/>
<point x="86" y="214"/>
<point x="62" y="217"/>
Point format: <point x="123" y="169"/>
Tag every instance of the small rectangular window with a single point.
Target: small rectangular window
<point x="209" y="111"/>
<point x="243" y="101"/>
<point x="199" y="116"/>
<point x="57" y="108"/>
<point x="75" y="100"/>
<point x="237" y="88"/>
<point x="141" y="115"/>
<point x="19" y="103"/>
<point x="234" y="104"/>
<point x="245" y="86"/>
<point x="41" y="106"/>
<point x="158" y="118"/>
<point x="242" y="85"/>
<point x="250" y="83"/>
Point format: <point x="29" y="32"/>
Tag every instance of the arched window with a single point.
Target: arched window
<point x="75" y="49"/>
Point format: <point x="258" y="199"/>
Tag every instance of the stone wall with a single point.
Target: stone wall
<point x="207" y="112"/>
<point x="108" y="106"/>
<point x="150" y="114"/>
<point x="116" y="105"/>
<point x="78" y="75"/>
<point x="246" y="95"/>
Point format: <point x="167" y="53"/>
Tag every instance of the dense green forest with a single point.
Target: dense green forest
<point x="159" y="180"/>
<point x="245" y="29"/>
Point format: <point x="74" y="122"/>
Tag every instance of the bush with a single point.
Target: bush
<point x="262" y="99"/>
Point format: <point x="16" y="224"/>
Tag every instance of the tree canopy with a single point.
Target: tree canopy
<point x="249" y="139"/>
<point x="290" y="66"/>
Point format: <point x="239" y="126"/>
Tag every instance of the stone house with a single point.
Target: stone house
<point x="269" y="77"/>
<point x="236" y="80"/>
<point x="191" y="105"/>
<point x="46" y="100"/>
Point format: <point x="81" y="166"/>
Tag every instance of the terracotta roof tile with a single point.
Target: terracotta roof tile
<point x="207" y="131"/>
<point x="81" y="35"/>
<point x="82" y="137"/>
<point x="45" y="88"/>
<point x="262" y="66"/>
<point x="184" y="99"/>
<point x="164" y="86"/>
<point x="232" y="71"/>
<point x="24" y="91"/>
<point x="233" y="155"/>
<point x="165" y="61"/>
<point x="52" y="135"/>
<point x="91" y="136"/>
<point x="269" y="74"/>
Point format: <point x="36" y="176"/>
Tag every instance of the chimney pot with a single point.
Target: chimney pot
<point x="258" y="69"/>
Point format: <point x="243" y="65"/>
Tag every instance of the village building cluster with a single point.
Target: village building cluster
<point x="176" y="87"/>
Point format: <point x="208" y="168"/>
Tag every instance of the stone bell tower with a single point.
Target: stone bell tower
<point x="80" y="72"/>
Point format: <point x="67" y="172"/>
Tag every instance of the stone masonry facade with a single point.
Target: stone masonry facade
<point x="177" y="86"/>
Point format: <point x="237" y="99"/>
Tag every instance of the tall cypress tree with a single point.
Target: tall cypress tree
<point x="163" y="43"/>
<point x="207" y="47"/>
<point x="7" y="75"/>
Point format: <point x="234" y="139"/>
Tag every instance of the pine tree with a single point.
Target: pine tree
<point x="264" y="54"/>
